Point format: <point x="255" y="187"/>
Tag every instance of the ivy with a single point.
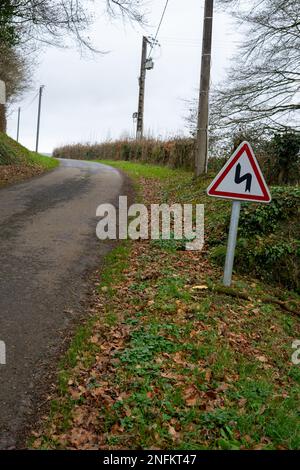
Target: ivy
<point x="265" y="219"/>
<point x="269" y="239"/>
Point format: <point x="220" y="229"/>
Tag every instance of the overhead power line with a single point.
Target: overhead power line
<point x="154" y="41"/>
<point x="33" y="99"/>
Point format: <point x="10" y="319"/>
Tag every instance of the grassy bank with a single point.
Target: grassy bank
<point x="18" y="163"/>
<point x="169" y="360"/>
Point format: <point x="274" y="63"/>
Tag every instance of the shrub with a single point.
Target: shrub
<point x="176" y="153"/>
<point x="283" y="161"/>
<point x="268" y="244"/>
<point x="264" y="219"/>
<point x="278" y="157"/>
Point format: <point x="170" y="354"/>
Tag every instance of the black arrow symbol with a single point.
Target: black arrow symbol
<point x="238" y="179"/>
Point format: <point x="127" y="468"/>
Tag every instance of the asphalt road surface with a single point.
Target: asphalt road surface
<point x="47" y="245"/>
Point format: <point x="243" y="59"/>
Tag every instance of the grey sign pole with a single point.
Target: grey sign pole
<point x="39" y="119"/>
<point x="234" y="223"/>
<point x="18" y="126"/>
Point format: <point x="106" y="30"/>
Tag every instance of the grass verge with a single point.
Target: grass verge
<point x="18" y="163"/>
<point x="166" y="360"/>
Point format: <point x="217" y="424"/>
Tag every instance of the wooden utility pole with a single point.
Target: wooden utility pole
<point x="201" y="157"/>
<point x="39" y="119"/>
<point x="140" y="116"/>
<point x="18" y="126"/>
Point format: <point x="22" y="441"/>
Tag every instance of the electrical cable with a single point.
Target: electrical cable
<point x="33" y="99"/>
<point x="158" y="29"/>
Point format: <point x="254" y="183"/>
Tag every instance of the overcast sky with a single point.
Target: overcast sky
<point x="93" y="99"/>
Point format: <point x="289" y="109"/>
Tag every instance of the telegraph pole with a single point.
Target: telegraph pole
<point x="201" y="157"/>
<point x="142" y="79"/>
<point x="39" y="118"/>
<point x="18" y="127"/>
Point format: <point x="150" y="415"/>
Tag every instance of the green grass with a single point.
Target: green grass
<point x="266" y="413"/>
<point x="137" y="170"/>
<point x="81" y="350"/>
<point x="12" y="153"/>
<point x="48" y="163"/>
<point x="231" y="354"/>
<point x="115" y="263"/>
<point x="269" y="235"/>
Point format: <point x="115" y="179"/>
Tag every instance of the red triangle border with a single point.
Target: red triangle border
<point x="245" y="147"/>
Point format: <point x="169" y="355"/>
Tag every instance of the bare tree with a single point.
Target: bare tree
<point x="52" y="21"/>
<point x="26" y="23"/>
<point x="132" y="9"/>
<point x="263" y="88"/>
<point x="14" y="71"/>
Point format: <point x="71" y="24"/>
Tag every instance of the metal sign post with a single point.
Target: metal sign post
<point x="234" y="224"/>
<point x="239" y="180"/>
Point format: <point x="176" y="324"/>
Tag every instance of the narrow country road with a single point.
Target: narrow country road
<point x="47" y="245"/>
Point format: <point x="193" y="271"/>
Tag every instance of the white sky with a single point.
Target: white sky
<point x="93" y="99"/>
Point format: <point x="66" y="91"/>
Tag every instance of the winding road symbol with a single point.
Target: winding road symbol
<point x="238" y="179"/>
<point x="242" y="167"/>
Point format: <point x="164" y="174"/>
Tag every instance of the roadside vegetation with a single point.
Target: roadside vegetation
<point x="176" y="152"/>
<point x="268" y="245"/>
<point x="277" y="153"/>
<point x="168" y="359"/>
<point x="18" y="163"/>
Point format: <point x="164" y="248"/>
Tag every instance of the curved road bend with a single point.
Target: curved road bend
<point x="47" y="245"/>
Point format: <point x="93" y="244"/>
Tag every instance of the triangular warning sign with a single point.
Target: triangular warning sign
<point x="241" y="178"/>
